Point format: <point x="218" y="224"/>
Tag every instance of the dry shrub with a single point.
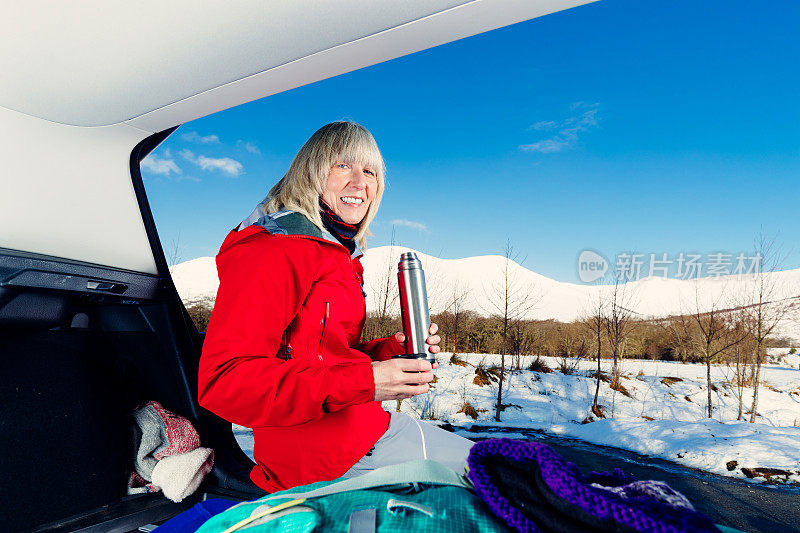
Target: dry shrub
<point x="468" y="410"/>
<point x="670" y="380"/>
<point x="617" y="385"/>
<point x="767" y="473"/>
<point x="484" y="376"/>
<point x="566" y="367"/>
<point x="481" y="379"/>
<point x="456" y="360"/>
<point x="200" y="314"/>
<point x="598" y="411"/>
<point x="538" y="365"/>
<point x="603" y="377"/>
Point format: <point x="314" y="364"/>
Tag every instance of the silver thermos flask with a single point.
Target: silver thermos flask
<point x="414" y="307"/>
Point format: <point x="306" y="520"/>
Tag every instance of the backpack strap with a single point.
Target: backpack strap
<point x="401" y="475"/>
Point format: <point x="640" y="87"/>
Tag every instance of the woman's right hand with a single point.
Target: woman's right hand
<point x="397" y="379"/>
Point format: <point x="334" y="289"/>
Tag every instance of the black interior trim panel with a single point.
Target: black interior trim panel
<point x="27" y="270"/>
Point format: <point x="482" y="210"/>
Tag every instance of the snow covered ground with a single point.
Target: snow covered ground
<point x="664" y="415"/>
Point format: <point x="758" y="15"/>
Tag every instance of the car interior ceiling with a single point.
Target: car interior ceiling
<point x="75" y="364"/>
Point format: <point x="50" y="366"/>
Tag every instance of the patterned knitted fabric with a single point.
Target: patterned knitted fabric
<point x="571" y="494"/>
<point x="159" y="433"/>
<point x="340" y="229"/>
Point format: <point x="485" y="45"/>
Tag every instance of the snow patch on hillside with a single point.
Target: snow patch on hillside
<point x="196" y="280"/>
<point x="480" y="277"/>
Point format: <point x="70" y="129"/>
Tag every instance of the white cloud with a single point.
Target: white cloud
<point x="419" y="226"/>
<point x="163" y="166"/>
<point x="248" y="146"/>
<point x="547" y="146"/>
<point x="226" y="165"/>
<point x="568" y="129"/>
<point x="545" y="125"/>
<point x="193" y="136"/>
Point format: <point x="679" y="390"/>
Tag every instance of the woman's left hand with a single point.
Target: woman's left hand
<point x="433" y="340"/>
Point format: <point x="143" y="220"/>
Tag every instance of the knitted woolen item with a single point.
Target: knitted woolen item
<point x="532" y="488"/>
<point x="159" y="433"/>
<point x="180" y="475"/>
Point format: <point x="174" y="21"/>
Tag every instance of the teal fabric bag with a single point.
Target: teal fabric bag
<point x="415" y="496"/>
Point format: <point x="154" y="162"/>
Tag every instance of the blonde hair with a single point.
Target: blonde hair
<point x="303" y="184"/>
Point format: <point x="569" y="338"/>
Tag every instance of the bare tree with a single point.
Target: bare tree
<point x="457" y="309"/>
<point x="571" y="346"/>
<point x="384" y="294"/>
<point x="715" y="333"/>
<point x="174" y="251"/>
<point x="618" y="324"/>
<point x="510" y="300"/>
<point x="595" y="322"/>
<point x="739" y="361"/>
<point x="522" y="335"/>
<point x="764" y="308"/>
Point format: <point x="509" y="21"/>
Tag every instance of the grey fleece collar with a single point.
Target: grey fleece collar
<point x="287" y="222"/>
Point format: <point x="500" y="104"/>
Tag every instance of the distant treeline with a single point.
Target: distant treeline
<point x="669" y="339"/>
<point x="472" y="333"/>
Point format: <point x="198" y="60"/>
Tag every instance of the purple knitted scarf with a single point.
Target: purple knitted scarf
<point x="611" y="500"/>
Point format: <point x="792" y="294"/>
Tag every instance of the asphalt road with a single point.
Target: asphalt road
<point x="728" y="501"/>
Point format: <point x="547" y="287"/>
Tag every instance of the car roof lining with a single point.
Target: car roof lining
<point x="102" y="65"/>
<point x="81" y="197"/>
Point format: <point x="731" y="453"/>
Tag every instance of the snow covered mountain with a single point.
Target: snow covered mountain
<point x="479" y="282"/>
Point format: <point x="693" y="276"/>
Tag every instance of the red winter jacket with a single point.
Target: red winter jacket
<point x="282" y="353"/>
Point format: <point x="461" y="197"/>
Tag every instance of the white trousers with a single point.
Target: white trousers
<point x="408" y="439"/>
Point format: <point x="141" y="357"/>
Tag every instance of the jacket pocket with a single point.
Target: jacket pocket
<point x="325" y="315"/>
<point x="285" y="350"/>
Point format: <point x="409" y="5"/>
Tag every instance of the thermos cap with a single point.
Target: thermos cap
<point x="409" y="261"/>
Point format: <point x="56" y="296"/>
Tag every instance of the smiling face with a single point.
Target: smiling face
<point x="350" y="189"/>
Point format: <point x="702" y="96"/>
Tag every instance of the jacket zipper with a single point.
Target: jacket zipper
<point x="286" y="342"/>
<point x="359" y="279"/>
<point x="324" y="324"/>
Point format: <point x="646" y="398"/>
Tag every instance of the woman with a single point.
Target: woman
<point x="282" y="353"/>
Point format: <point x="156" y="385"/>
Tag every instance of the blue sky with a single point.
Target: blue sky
<point x="620" y="126"/>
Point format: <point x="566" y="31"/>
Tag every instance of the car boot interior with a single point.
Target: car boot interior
<point x="78" y="357"/>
